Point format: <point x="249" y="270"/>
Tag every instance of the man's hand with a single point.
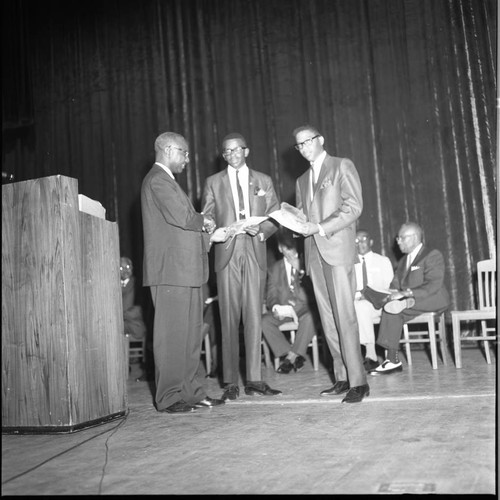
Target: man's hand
<point x="308" y="228"/>
<point x="281" y="312"/>
<point x="397" y="295"/>
<point x="252" y="230"/>
<point x="220" y="235"/>
<point x="208" y="225"/>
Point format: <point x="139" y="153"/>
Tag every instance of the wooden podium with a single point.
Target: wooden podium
<point x="63" y="348"/>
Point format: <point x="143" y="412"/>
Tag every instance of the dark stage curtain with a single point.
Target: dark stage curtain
<point x="405" y="88"/>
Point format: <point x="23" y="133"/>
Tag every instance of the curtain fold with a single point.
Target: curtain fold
<point x="405" y="88"/>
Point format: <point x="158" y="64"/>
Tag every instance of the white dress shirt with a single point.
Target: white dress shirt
<point x="165" y="168"/>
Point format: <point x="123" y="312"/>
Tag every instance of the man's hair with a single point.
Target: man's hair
<point x="163" y="140"/>
<point x="303" y="128"/>
<point x="234" y="135"/>
<point x="286" y="239"/>
<point x="415" y="227"/>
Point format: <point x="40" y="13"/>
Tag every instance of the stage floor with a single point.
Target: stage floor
<point x="419" y="431"/>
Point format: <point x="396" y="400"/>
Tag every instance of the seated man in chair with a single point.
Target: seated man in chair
<point x="374" y="270"/>
<point x="287" y="299"/>
<point x="417" y="287"/>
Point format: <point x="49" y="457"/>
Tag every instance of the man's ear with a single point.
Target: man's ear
<point x="247" y="152"/>
<point x="321" y="140"/>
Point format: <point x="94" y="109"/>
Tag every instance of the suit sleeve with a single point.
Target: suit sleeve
<point x="433" y="276"/>
<point x="272" y="289"/>
<point x="208" y="201"/>
<point x="174" y="205"/>
<point x="272" y="203"/>
<point x="352" y="202"/>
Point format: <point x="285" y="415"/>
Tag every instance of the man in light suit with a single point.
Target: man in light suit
<point x="329" y="194"/>
<point x="175" y="268"/>
<point x="417" y="287"/>
<point x="377" y="274"/>
<point x="288" y="296"/>
<point x="232" y="195"/>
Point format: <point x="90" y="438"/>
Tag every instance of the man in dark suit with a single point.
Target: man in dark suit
<point x="288" y="298"/>
<point x="175" y="268"/>
<point x="329" y="194"/>
<point x="232" y="196"/>
<point x="417" y="287"/>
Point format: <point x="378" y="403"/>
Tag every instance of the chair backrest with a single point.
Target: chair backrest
<point x="487" y="284"/>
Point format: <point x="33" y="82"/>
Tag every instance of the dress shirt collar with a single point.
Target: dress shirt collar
<point x="243" y="171"/>
<point x="413" y="253"/>
<point x="169" y="172"/>
<point x="316" y="164"/>
<point x="367" y="256"/>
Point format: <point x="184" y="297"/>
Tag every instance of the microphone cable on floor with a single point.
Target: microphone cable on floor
<point x="113" y="430"/>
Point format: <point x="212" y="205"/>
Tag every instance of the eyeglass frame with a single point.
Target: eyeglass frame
<point x="361" y="239"/>
<point x="401" y="238"/>
<point x="308" y="142"/>
<point x="237" y="149"/>
<point x="186" y="153"/>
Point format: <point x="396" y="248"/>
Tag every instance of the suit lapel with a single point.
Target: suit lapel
<point x="226" y="188"/>
<point x="252" y="184"/>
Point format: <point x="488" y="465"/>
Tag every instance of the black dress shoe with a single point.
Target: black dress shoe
<point x="285" y="367"/>
<point x="231" y="391"/>
<point x="338" y="388"/>
<point x="299" y="363"/>
<point x="178" y="407"/>
<point x="261" y="389"/>
<point x="356" y="394"/>
<point x="209" y="402"/>
<point x="369" y="364"/>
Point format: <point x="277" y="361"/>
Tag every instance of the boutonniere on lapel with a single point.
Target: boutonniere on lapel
<point x="258" y="191"/>
<point x="326" y="183"/>
<point x="414" y="268"/>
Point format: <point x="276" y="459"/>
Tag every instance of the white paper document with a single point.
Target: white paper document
<point x="289" y="217"/>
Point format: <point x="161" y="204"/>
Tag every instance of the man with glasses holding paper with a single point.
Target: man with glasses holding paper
<point x="231" y="198"/>
<point x="329" y="194"/>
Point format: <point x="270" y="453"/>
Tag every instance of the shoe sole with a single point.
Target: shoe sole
<point x="387" y="372"/>
<point x="255" y="393"/>
<point x="395" y="307"/>
<point x="357" y="400"/>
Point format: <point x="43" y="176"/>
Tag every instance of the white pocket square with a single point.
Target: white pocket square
<point x="414" y="268"/>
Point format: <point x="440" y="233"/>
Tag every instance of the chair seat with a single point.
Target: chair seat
<point x="474" y="314"/>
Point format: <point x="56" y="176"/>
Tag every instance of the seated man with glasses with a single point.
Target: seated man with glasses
<point x="417" y="287"/>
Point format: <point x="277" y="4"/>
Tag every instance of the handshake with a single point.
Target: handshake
<point x="216" y="235"/>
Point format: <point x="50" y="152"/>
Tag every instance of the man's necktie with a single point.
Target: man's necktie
<point x="241" y="200"/>
<point x="408" y="262"/>
<point x="313" y="178"/>
<point x="365" y="274"/>
<point x="293" y="279"/>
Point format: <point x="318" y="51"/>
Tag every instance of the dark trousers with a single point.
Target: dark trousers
<point x="177" y="333"/>
<point x="277" y="340"/>
<point x="239" y="288"/>
<point x="334" y="289"/>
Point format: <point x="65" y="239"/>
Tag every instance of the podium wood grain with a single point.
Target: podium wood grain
<point x="63" y="348"/>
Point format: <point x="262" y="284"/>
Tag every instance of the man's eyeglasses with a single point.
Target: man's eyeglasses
<point x="184" y="152"/>
<point x="361" y="239"/>
<point x="229" y="152"/>
<point x="401" y="238"/>
<point x="307" y="142"/>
